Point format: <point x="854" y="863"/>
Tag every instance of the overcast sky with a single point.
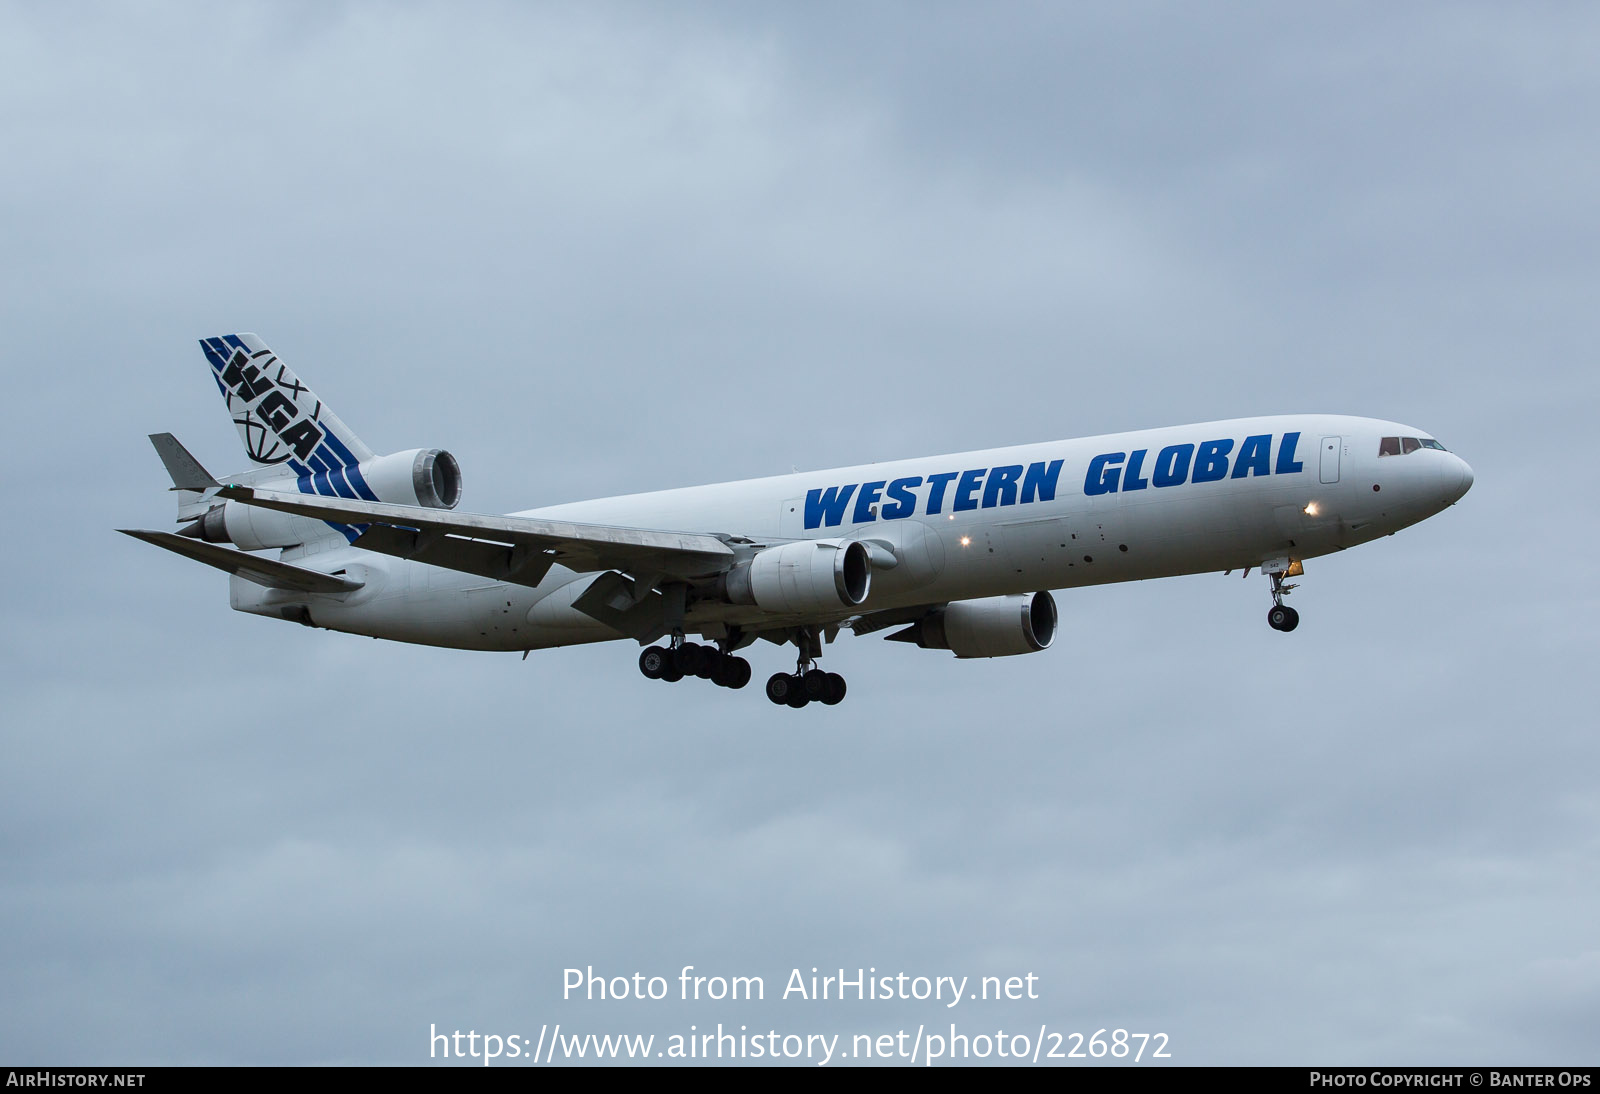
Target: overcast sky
<point x="600" y="248"/>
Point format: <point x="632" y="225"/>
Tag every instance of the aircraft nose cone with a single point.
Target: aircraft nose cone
<point x="1463" y="482"/>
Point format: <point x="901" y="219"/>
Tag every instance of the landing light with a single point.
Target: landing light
<point x="966" y="541"/>
<point x="1311" y="509"/>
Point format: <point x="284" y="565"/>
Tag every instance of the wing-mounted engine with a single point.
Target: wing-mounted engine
<point x="810" y="577"/>
<point x="426" y="477"/>
<point x="995" y="626"/>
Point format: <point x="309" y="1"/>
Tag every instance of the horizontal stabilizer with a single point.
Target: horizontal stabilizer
<point x="263" y="571"/>
<point x="583" y="548"/>
<point x="186" y="472"/>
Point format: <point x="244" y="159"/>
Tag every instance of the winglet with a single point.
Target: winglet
<point x="186" y="472"/>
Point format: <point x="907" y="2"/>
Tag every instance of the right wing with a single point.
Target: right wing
<point x="515" y="549"/>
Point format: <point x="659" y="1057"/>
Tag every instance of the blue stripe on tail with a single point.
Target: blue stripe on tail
<point x="305" y="479"/>
<point x="345" y="459"/>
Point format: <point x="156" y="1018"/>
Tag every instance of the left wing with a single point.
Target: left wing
<point x="516" y="549"/>
<point x="263" y="571"/>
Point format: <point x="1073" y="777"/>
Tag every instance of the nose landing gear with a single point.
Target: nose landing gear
<point x="1281" y="617"/>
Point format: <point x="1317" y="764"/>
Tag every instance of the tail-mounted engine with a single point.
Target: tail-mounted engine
<point x="429" y="477"/>
<point x="426" y="477"/>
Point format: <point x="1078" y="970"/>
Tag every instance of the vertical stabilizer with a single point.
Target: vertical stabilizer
<point x="286" y="430"/>
<point x="280" y="420"/>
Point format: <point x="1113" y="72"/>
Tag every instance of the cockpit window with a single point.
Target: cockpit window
<point x="1404" y="446"/>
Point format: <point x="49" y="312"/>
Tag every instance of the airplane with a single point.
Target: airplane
<point x="957" y="551"/>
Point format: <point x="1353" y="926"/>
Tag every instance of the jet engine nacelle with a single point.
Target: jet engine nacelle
<point x="427" y="477"/>
<point x="995" y="626"/>
<point x="810" y="576"/>
<point x="255" y="529"/>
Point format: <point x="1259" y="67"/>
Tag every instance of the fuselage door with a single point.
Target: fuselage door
<point x="792" y="519"/>
<point x="1331" y="447"/>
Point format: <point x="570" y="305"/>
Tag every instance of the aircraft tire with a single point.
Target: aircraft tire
<point x="1278" y="617"/>
<point x="834" y="695"/>
<point x="708" y="662"/>
<point x="798" y="697"/>
<point x="814" y="684"/>
<point x="1291" y="622"/>
<point x="652" y="661"/>
<point x="734" y="673"/>
<point x="672" y="671"/>
<point x="779" y="685"/>
<point x="690" y="657"/>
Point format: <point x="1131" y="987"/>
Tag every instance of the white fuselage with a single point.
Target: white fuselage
<point x="1123" y="507"/>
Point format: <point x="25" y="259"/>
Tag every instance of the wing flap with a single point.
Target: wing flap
<point x="615" y="601"/>
<point x="517" y="563"/>
<point x="580" y="547"/>
<point x="263" y="571"/>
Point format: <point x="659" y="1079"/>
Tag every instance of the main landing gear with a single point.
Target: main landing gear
<point x="800" y="687"/>
<point x="807" y="682"/>
<point x="805" y="685"/>
<point x="672" y="663"/>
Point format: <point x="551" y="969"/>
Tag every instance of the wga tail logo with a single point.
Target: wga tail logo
<point x="267" y="410"/>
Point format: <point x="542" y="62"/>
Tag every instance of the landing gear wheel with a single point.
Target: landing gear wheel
<point x="1281" y="617"/>
<point x="652" y="661"/>
<point x="814" y="684"/>
<point x="708" y="662"/>
<point x="741" y="672"/>
<point x="726" y="671"/>
<point x="672" y="670"/>
<point x="779" y="687"/>
<point x="798" y="697"/>
<point x="833" y="694"/>
<point x="689" y="657"/>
